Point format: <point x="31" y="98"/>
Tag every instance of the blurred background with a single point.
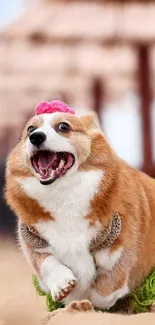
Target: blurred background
<point x="94" y="55"/>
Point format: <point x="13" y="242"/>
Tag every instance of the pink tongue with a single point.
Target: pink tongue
<point x="46" y="159"/>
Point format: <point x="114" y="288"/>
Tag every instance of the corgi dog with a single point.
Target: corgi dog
<point x="64" y="180"/>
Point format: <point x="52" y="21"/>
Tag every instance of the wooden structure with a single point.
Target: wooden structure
<point x="111" y="47"/>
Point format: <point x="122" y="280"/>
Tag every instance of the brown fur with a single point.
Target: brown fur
<point x="111" y="281"/>
<point x="122" y="189"/>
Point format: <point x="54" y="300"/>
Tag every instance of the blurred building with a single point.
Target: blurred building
<point x="97" y="55"/>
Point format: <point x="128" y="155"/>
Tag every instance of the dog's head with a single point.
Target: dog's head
<point x="57" y="143"/>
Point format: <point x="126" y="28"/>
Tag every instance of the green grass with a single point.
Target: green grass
<point x="144" y="296"/>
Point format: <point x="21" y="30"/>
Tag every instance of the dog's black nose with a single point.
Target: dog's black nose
<point x="37" y="138"/>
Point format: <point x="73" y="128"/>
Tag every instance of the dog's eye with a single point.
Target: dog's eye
<point x="30" y="129"/>
<point x="64" y="127"/>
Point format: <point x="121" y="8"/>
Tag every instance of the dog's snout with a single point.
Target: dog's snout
<point x="37" y="138"/>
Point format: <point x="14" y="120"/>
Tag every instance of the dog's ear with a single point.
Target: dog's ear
<point x="91" y="121"/>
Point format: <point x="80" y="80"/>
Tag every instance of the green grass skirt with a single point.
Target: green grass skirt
<point x="139" y="301"/>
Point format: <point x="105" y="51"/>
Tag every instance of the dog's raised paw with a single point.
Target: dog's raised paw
<point x="60" y="282"/>
<point x="64" y="292"/>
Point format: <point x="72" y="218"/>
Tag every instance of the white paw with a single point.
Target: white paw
<point x="60" y="282"/>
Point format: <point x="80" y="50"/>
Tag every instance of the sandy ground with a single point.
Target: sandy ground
<point x="100" y="319"/>
<point x="18" y="301"/>
<point x="20" y="306"/>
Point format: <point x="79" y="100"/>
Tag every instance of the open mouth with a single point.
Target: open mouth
<point x="50" y="165"/>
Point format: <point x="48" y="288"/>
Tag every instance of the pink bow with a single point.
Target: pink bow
<point x="53" y="107"/>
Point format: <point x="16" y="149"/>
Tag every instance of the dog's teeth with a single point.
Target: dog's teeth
<point x="52" y="172"/>
<point x="61" y="163"/>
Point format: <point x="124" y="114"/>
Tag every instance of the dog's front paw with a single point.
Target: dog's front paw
<point x="65" y="290"/>
<point x="61" y="282"/>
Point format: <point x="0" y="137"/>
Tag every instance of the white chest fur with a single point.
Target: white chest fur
<point x="68" y="201"/>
